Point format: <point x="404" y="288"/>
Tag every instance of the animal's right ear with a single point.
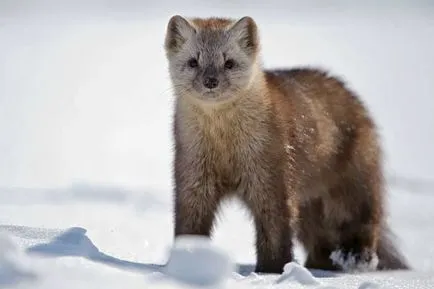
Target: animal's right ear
<point x="178" y="31"/>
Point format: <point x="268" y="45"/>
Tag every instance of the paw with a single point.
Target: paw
<point x="349" y="261"/>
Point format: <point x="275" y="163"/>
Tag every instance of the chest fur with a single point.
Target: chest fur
<point x="223" y="145"/>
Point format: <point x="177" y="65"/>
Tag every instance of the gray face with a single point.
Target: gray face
<point x="211" y="65"/>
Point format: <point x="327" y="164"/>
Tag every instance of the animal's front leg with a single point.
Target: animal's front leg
<point x="268" y="203"/>
<point x="195" y="210"/>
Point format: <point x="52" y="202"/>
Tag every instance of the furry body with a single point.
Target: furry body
<point x="296" y="146"/>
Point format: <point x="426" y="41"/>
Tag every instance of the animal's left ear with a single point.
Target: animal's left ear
<point x="245" y="32"/>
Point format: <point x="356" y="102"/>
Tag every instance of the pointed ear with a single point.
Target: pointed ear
<point x="178" y="31"/>
<point x="245" y="32"/>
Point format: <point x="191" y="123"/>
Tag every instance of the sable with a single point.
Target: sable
<point x="297" y="146"/>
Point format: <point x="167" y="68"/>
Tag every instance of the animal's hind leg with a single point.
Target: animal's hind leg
<point x="359" y="191"/>
<point x="340" y="231"/>
<point x="316" y="237"/>
<point x="358" y="231"/>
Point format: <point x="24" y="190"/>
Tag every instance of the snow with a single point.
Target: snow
<point x="295" y="272"/>
<point x="86" y="148"/>
<point x="11" y="272"/>
<point x="194" y="260"/>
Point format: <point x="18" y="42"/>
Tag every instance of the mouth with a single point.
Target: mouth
<point x="210" y="90"/>
<point x="210" y="93"/>
<point x="213" y="95"/>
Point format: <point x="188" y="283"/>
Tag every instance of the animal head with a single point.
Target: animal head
<point x="211" y="59"/>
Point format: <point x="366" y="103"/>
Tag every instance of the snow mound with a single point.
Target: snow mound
<point x="72" y="242"/>
<point x="12" y="271"/>
<point x="194" y="260"/>
<point x="295" y="272"/>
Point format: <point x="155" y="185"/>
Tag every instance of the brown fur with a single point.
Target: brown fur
<point x="300" y="150"/>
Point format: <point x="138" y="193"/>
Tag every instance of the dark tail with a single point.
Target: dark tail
<point x="388" y="254"/>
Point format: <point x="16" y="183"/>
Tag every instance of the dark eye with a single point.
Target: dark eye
<point x="193" y="63"/>
<point x="229" y="64"/>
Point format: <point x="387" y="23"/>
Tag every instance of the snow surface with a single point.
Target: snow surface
<point x="86" y="148"/>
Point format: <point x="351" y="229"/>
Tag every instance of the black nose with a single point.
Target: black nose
<point x="210" y="82"/>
